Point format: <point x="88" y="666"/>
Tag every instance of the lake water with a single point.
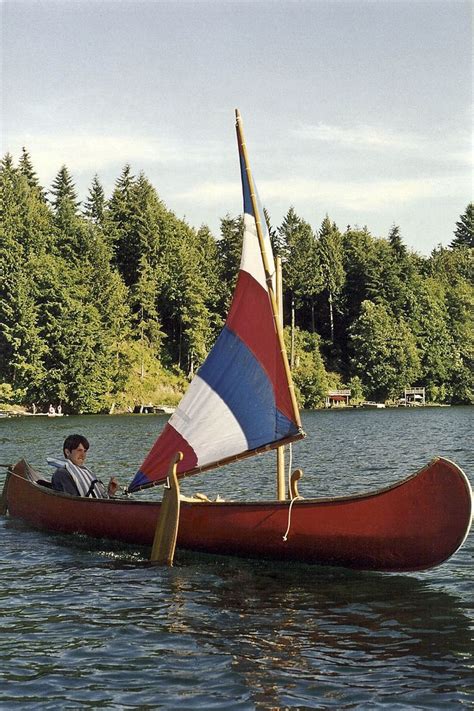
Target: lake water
<point x="91" y="625"/>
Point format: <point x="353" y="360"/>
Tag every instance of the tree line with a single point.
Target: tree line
<point x="117" y="301"/>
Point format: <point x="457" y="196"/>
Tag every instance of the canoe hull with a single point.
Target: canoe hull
<point x="413" y="525"/>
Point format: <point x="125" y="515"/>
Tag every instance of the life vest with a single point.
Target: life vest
<point x="86" y="482"/>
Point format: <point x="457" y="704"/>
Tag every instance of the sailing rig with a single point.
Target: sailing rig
<point x="241" y="403"/>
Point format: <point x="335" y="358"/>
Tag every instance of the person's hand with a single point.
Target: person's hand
<point x="113" y="486"/>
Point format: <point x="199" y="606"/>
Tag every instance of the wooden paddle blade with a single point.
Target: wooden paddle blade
<point x="164" y="543"/>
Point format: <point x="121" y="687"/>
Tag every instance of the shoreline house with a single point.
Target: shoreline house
<point x="413" y="396"/>
<point x="338" y="398"/>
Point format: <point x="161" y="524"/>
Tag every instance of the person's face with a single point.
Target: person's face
<point x="77" y="456"/>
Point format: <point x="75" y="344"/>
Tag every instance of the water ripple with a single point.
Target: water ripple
<point x="92" y="625"/>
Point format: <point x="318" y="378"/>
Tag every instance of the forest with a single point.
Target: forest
<point x="115" y="301"/>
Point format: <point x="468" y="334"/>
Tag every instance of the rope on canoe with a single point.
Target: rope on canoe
<point x="295" y="498"/>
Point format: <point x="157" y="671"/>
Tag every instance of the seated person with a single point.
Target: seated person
<point x="72" y="477"/>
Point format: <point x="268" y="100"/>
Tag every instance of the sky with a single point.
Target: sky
<point x="358" y="109"/>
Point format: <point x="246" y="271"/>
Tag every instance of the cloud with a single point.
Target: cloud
<point x="362" y="136"/>
<point x="455" y="148"/>
<point x="368" y="196"/>
<point x="212" y="193"/>
<point x="96" y="152"/>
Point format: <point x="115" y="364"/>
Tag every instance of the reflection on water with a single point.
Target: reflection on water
<point x="105" y="626"/>
<point x="91" y="624"/>
<point x="316" y="623"/>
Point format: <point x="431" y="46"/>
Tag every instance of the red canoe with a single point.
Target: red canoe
<point x="412" y="525"/>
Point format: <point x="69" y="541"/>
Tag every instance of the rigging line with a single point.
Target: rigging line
<point x="285" y="537"/>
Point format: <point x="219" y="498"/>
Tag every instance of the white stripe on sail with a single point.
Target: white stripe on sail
<point x="251" y="261"/>
<point x="206" y="423"/>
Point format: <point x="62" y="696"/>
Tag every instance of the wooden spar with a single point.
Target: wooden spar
<point x="166" y="533"/>
<point x="228" y="460"/>
<point x="268" y="275"/>
<point x="281" y="485"/>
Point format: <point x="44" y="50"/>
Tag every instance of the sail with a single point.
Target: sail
<point x="241" y="401"/>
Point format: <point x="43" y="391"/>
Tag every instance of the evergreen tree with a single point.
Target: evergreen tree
<point x="390" y="276"/>
<point x="25" y="227"/>
<point x="151" y="219"/>
<point x="450" y="272"/>
<point x="309" y="374"/>
<point x="88" y="302"/>
<point x="66" y="218"/>
<point x="121" y="228"/>
<point x="103" y="282"/>
<point x="396" y="242"/>
<point x="64" y="192"/>
<point x="430" y="325"/>
<point x="133" y="221"/>
<point x="10" y="210"/>
<point x="186" y="299"/>
<point x="119" y="205"/>
<point x="19" y="331"/>
<point x="464" y="232"/>
<point x="332" y="268"/>
<point x="301" y="267"/>
<point x="94" y="206"/>
<point x="384" y="352"/>
<point x="25" y="168"/>
<point x="357" y="249"/>
<point x="449" y="265"/>
<point x="210" y="268"/>
<point x="272" y="233"/>
<point x="144" y="298"/>
<point x="77" y="361"/>
<point x="229" y="250"/>
<point x="11" y="257"/>
<point x="459" y="301"/>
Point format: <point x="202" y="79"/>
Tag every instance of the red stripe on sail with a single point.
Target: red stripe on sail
<point x="251" y="319"/>
<point x="156" y="465"/>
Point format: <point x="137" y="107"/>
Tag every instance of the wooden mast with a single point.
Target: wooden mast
<point x="281" y="484"/>
<point x="268" y="275"/>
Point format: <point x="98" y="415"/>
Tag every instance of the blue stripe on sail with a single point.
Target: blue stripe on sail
<point x="138" y="480"/>
<point x="246" y="390"/>
<point x="245" y="187"/>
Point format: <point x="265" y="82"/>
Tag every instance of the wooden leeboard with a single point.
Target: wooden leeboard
<point x="164" y="543"/>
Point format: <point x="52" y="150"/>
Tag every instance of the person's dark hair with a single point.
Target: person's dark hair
<point x="73" y="442"/>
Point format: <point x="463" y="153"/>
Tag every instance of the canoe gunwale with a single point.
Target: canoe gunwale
<point x="414" y="524"/>
<point x="35" y="477"/>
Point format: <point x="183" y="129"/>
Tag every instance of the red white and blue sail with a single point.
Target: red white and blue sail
<point x="240" y="401"/>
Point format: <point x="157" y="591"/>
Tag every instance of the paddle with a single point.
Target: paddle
<point x="164" y="543"/>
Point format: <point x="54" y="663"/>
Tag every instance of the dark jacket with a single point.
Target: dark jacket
<point x="63" y="481"/>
